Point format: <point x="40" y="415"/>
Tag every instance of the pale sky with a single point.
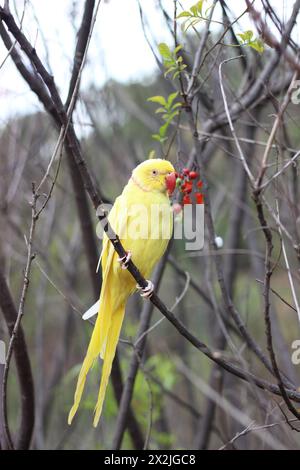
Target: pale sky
<point x="118" y="48"/>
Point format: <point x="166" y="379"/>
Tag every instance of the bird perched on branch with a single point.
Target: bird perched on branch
<point x="141" y="216"/>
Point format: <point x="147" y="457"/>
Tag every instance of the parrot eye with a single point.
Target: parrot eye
<point x="154" y="172"/>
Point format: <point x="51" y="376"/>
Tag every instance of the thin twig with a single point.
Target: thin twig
<point x="30" y="258"/>
<point x="288" y="268"/>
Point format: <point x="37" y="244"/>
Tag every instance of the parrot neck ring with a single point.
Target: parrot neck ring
<point x="139" y="185"/>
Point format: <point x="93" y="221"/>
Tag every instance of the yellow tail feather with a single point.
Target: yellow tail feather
<point x="96" y="346"/>
<point x="87" y="364"/>
<point x="109" y="354"/>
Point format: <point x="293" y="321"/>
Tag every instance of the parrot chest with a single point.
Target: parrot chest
<point x="148" y="230"/>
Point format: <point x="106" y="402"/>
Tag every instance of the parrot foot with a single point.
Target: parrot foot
<point x="146" y="291"/>
<point x="125" y="260"/>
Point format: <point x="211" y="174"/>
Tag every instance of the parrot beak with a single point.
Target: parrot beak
<point x="170" y="183"/>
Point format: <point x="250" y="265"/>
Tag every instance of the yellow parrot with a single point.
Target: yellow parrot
<point x="142" y="218"/>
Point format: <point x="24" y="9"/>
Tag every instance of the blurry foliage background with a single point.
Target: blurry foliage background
<point x="116" y="122"/>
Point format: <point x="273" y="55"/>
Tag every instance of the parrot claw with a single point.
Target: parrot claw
<point x="125" y="260"/>
<point x="146" y="291"/>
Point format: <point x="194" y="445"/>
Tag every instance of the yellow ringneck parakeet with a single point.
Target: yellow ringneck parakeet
<point x="142" y="218"/>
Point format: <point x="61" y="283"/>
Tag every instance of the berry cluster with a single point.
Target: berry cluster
<point x="189" y="184"/>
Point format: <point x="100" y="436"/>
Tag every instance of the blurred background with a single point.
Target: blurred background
<point x="181" y="399"/>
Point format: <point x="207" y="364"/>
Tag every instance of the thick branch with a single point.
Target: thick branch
<point x="23" y="367"/>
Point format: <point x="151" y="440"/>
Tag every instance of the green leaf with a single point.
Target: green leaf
<point x="164" y="50"/>
<point x="168" y="61"/>
<point x="160" y="110"/>
<point x="156" y="137"/>
<point x="169" y="70"/>
<point x="199" y="6"/>
<point x="194" y="10"/>
<point x="184" y="14"/>
<point x="152" y="154"/>
<point x="190" y="23"/>
<point x="179" y="70"/>
<point x="246" y="36"/>
<point x="171" y="98"/>
<point x="249" y="35"/>
<point x="171" y="116"/>
<point x="178" y="48"/>
<point x="163" y="129"/>
<point x="258" y="45"/>
<point x="176" y="105"/>
<point x="157" y="99"/>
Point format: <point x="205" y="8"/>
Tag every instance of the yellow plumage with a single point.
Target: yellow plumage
<point x="143" y="206"/>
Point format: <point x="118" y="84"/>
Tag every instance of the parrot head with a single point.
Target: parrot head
<point x="156" y="175"/>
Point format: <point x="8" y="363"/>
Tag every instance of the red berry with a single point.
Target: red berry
<point x="199" y="184"/>
<point x="199" y="198"/>
<point x="186" y="200"/>
<point x="186" y="171"/>
<point x="193" y="175"/>
<point x="187" y="187"/>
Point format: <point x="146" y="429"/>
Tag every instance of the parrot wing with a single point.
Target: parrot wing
<point x="106" y="308"/>
<point x="118" y="219"/>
